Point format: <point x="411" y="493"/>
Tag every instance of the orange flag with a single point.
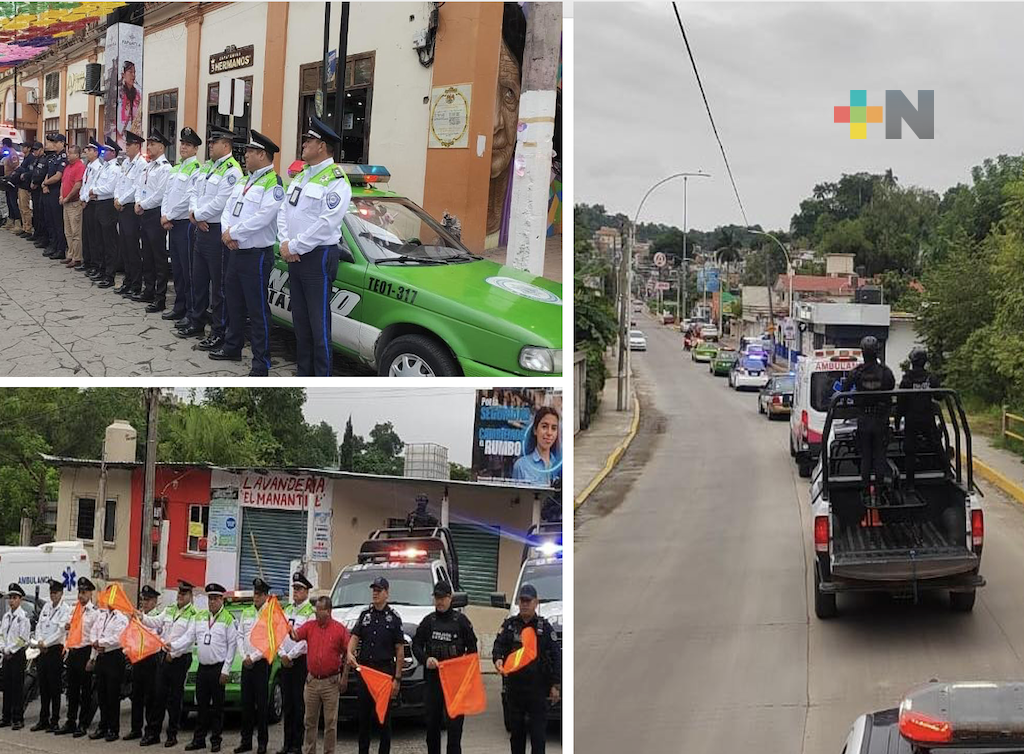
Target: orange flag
<point x="139" y="642"/>
<point x="75" y="632"/>
<point x="463" y="685"/>
<point x="270" y="630"/>
<point x="524" y="655"/>
<point x="379" y="685"/>
<point x="115" y="598"/>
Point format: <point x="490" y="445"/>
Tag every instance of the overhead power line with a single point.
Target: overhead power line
<point x="707" y="107"/>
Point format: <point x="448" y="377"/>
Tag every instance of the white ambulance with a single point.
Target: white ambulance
<point x="33" y="567"/>
<point x="818" y="377"/>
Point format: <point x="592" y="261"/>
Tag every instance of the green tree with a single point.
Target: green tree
<point x="459" y="473"/>
<point x="351" y="446"/>
<point x="210" y="434"/>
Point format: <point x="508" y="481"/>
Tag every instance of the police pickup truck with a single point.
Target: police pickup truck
<point x="968" y="717"/>
<point x="902" y="541"/>
<point x="412" y="559"/>
<point x="542" y="567"/>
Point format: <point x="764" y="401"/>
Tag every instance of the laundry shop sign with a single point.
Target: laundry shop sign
<point x="284" y="491"/>
<point x="232" y="58"/>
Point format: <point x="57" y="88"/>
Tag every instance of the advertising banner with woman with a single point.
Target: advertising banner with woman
<point x="122" y="74"/>
<point x="517" y="435"/>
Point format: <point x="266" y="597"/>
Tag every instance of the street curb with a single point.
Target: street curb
<point x="998" y="479"/>
<point x="613" y="459"/>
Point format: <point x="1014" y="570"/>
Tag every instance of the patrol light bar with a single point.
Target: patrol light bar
<point x="549" y="549"/>
<point x="409" y="553"/>
<point x="363" y="174"/>
<point x="964" y="715"/>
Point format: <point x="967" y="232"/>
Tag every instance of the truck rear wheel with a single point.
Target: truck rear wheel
<point x="824" y="604"/>
<point x="962" y="602"/>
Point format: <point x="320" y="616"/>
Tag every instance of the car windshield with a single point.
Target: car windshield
<point x="393" y="230"/>
<point x="547" y="579"/>
<point x="727" y="356"/>
<point x="823" y="386"/>
<point x="785" y="384"/>
<point x="755" y="365"/>
<point x="635" y="334"/>
<point x="406" y="586"/>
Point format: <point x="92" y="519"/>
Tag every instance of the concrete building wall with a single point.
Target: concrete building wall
<point x="83" y="482"/>
<point x="903" y="336"/>
<point x="77" y="102"/>
<point x="164" y="68"/>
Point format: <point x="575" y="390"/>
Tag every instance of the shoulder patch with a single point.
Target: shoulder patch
<point x="231" y="180"/>
<point x="278" y="192"/>
<point x="338" y="172"/>
<point x="333" y="200"/>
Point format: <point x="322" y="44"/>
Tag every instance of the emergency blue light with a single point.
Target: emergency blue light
<point x="364" y="174"/>
<point x="549" y="549"/>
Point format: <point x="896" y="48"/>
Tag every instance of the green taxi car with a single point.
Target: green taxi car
<point x="704" y="352"/>
<point x="409" y="300"/>
<point x="722" y="361"/>
<point x="233" y="688"/>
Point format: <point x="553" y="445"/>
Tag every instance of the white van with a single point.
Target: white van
<point x="818" y="376"/>
<point x="33" y="567"/>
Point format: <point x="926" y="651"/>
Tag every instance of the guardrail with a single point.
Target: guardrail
<point x="1006" y="423"/>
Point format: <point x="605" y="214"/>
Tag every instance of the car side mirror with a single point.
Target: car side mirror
<point x="498" y="600"/>
<point x="460" y="599"/>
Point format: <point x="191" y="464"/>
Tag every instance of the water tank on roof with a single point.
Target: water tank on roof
<point x="119" y="442"/>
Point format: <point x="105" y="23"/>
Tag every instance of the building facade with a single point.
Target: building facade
<point x="402" y="58"/>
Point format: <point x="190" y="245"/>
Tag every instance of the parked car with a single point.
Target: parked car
<point x="776" y="397"/>
<point x="637" y="341"/>
<point x="668" y="319"/>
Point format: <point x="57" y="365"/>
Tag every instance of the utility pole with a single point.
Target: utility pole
<point x="768" y="286"/>
<point x="339" y="81"/>
<point x="627" y="252"/>
<point x="146" y="545"/>
<point x="685" y="177"/>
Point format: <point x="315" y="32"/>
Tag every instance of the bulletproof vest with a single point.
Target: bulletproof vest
<point x="917" y="379"/>
<point x="871" y="377"/>
<point x="446" y="640"/>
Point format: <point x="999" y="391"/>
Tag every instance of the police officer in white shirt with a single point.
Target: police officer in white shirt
<point x="49" y="640"/>
<point x="106" y="215"/>
<point x="149" y="194"/>
<point x="293" y="670"/>
<point x="181" y="232"/>
<point x="128" y="224"/>
<point x="91" y="259"/>
<point x="255" y="673"/>
<point x="249" y="225"/>
<point x="210" y="194"/>
<point x="177" y="626"/>
<point x="309" y="228"/>
<point x="215" y="641"/>
<point x="79" y="669"/>
<point x="108" y="663"/>
<point x="15" y="630"/>
<point x="145" y="671"/>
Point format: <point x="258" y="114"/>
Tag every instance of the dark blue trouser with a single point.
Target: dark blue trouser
<point x="309" y="285"/>
<point x="245" y="284"/>
<point x="180" y="243"/>
<point x="129" y="226"/>
<point x="55" y="218"/>
<point x="209" y="260"/>
<point x="12" y="204"/>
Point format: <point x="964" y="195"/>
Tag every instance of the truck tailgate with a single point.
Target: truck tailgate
<point x="899" y="552"/>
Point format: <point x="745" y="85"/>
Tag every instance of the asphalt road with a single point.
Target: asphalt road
<point x="483" y="734"/>
<point x="694" y="622"/>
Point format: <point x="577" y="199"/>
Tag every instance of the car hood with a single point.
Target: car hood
<point x="527" y="308"/>
<point x="411" y="614"/>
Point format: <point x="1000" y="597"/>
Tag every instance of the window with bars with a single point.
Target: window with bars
<point x="51" y="86"/>
<point x="163" y="102"/>
<point x="359" y="70"/>
<point x="76" y="122"/>
<point x="86" y="519"/>
<point x="198" y="528"/>
<point x="51" y="125"/>
<point x="241" y="125"/>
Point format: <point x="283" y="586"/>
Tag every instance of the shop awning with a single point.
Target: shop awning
<point x="28" y="29"/>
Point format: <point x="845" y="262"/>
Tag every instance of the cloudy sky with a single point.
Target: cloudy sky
<point x="772" y="73"/>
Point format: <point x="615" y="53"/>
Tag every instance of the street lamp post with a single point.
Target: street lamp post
<point x="627" y="308"/>
<point x="789" y="274"/>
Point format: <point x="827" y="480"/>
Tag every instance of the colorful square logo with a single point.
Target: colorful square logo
<point x="858" y="113"/>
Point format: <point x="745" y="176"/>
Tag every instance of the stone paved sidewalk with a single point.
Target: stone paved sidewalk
<point x="55" y="322"/>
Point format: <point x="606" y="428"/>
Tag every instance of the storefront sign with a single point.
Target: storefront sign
<point x="232" y="58"/>
<point x="224" y="528"/>
<point x="284" y="491"/>
<point x="321" y="541"/>
<point x="449" y="117"/>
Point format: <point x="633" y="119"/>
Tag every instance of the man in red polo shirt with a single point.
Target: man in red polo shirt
<point x="327" y="673"/>
<point x="70" y="186"/>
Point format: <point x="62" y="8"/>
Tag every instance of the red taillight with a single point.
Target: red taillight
<point x="776" y="399"/>
<point x="821" y="533"/>
<point x="978" y="527"/>
<point x="804" y="422"/>
<point x="922" y="729"/>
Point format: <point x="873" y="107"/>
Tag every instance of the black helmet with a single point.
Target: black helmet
<point x="869" y="346"/>
<point x="918" y="356"/>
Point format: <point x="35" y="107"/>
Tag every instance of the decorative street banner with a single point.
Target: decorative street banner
<point x="517" y="435"/>
<point x="122" y="74"/>
<point x="284" y="491"/>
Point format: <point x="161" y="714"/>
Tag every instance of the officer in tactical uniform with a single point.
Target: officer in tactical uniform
<point x="918" y="412"/>
<point x="57" y="244"/>
<point x="442" y="635"/>
<point x="41" y="237"/>
<point x="873" y="422"/>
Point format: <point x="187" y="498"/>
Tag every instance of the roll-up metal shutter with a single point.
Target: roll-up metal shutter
<point x="280" y="538"/>
<point x="477" y="551"/>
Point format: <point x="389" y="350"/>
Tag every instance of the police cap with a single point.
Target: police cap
<point x="317" y="129"/>
<point x="56" y="586"/>
<point x="528" y="591"/>
<point x="217" y="133"/>
<point x="213" y="589"/>
<point x="259" y="141"/>
<point x="84" y="585"/>
<point x="380" y="583"/>
<point x="260" y="586"/>
<point x="156" y="135"/>
<point x="184" y="586"/>
<point x="149" y="592"/>
<point x="190" y="137"/>
<point x="111" y="144"/>
<point x="299" y="579"/>
<point x="442" y="589"/>
<point x="15" y="590"/>
<point x="133" y="138"/>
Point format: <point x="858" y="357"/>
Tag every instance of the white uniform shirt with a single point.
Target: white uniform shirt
<point x="293" y="649"/>
<point x="106" y="180"/>
<point x="89" y="178"/>
<point x="211" y="192"/>
<point x="216" y="639"/>
<point x="153" y="183"/>
<point x="177" y="192"/>
<point x="177" y="628"/>
<point x="313" y="217"/>
<point x="90" y="616"/>
<point x="124" y="192"/>
<point x="108" y="629"/>
<point x="15" y="630"/>
<point x="50" y="626"/>
<point x="251" y="211"/>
